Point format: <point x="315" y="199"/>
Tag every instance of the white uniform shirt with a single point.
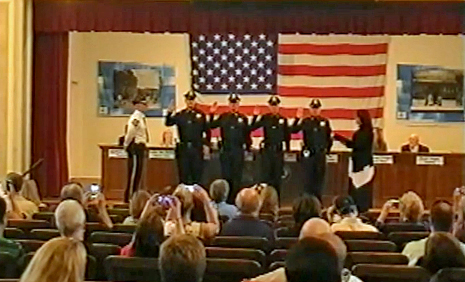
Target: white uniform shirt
<point x="416" y="249"/>
<point x="137" y="129"/>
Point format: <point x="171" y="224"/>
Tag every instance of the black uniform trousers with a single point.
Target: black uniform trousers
<point x="190" y="162"/>
<point x="136" y="159"/>
<point x="232" y="165"/>
<point x="272" y="166"/>
<point x="314" y="169"/>
<point x="363" y="196"/>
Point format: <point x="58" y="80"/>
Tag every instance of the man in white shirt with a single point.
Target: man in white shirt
<point x="135" y="142"/>
<point x="414" y="146"/>
<point x="441" y="220"/>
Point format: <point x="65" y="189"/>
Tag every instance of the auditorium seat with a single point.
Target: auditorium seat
<point x="354" y="258"/>
<point x="242" y="242"/>
<point x="28" y="224"/>
<point x="123" y="269"/>
<point x="14" y="233"/>
<point x="390" y="273"/>
<point x="47" y="216"/>
<point x="95" y="226"/>
<point x="101" y="252"/>
<point x="285" y="242"/>
<point x="276" y="265"/>
<point x="121" y="212"/>
<point x="370" y="246"/>
<point x="283" y="223"/>
<point x="285" y="211"/>
<point x="287" y="217"/>
<point x="267" y="217"/>
<point x="402" y="227"/>
<point x="121" y="206"/>
<point x="237" y="253"/>
<point x="277" y="255"/>
<point x="231" y="270"/>
<point x="30" y="245"/>
<point x="124" y="228"/>
<point x="119" y="239"/>
<point x="8" y="267"/>
<point x="44" y="234"/>
<point x="286" y="232"/>
<point x="115" y="218"/>
<point x="402" y="238"/>
<point x="360" y="235"/>
<point x="449" y="275"/>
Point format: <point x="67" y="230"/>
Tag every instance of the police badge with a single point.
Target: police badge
<point x="281" y="121"/>
<point x="240" y="120"/>
<point x="322" y="123"/>
<point x="198" y="116"/>
<point x="306" y="153"/>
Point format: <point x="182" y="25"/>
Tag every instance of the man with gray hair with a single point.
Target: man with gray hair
<point x="70" y="219"/>
<point x="182" y="259"/>
<point x="247" y="222"/>
<point x="219" y="190"/>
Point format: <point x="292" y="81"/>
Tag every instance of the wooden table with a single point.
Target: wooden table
<point x="396" y="173"/>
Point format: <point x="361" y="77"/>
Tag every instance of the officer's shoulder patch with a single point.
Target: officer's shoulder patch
<point x="135" y="122"/>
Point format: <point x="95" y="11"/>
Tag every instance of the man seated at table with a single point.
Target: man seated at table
<point x="414" y="146"/>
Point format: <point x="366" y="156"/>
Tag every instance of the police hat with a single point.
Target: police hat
<point x="315" y="104"/>
<point x="234" y="98"/>
<point x="139" y="100"/>
<point x="190" y="95"/>
<point x="274" y="100"/>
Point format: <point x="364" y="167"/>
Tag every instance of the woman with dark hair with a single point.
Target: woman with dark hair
<point x="303" y="208"/>
<point x="361" y="170"/>
<point x="442" y="251"/>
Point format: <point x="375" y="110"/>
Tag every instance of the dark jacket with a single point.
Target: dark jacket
<point x="244" y="225"/>
<point x="421" y="148"/>
<point x="192" y="126"/>
<point x="235" y="130"/>
<point x="362" y="147"/>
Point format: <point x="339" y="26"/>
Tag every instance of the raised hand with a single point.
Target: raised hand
<point x="214" y="108"/>
<point x="171" y="107"/>
<point x="300" y="113"/>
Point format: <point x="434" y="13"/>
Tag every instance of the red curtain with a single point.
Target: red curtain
<point x="49" y="104"/>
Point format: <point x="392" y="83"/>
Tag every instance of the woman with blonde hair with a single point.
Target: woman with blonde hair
<point x="30" y="192"/>
<point x="269" y="201"/>
<point x="61" y="259"/>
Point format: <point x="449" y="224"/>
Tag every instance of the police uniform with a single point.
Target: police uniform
<point x="317" y="143"/>
<point x="276" y="132"/>
<point x="193" y="132"/>
<point x="135" y="141"/>
<point x="235" y="138"/>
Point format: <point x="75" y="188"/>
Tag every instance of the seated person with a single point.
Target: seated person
<point x="414" y="146"/>
<point x="219" y="191"/>
<point x="136" y="205"/>
<point x="269" y="201"/>
<point x="95" y="209"/>
<point x="303" y="209"/>
<point x="70" y="219"/>
<point x="441" y="220"/>
<point x="167" y="139"/>
<point x="347" y="210"/>
<point x="30" y="192"/>
<point x="8" y="246"/>
<point x="411" y="212"/>
<point x="20" y="206"/>
<point x="442" y="251"/>
<point x="202" y="230"/>
<point x="247" y="223"/>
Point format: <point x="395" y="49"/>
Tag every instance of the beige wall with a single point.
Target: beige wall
<point x="3" y="83"/>
<point x="86" y="130"/>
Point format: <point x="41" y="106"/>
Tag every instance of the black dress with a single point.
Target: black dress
<point x="362" y="156"/>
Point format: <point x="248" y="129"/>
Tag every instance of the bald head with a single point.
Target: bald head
<point x="72" y="191"/>
<point x="70" y="219"/>
<point x="337" y="244"/>
<point x="414" y="140"/>
<point x="248" y="201"/>
<point x="314" y="227"/>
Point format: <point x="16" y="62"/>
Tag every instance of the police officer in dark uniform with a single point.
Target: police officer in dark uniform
<point x="317" y="143"/>
<point x="193" y="132"/>
<point x="276" y="132"/>
<point x="235" y="138"/>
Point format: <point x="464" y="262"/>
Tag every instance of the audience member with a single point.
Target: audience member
<point x="411" y="210"/>
<point x="59" y="260"/>
<point x="95" y="208"/>
<point x="20" y="207"/>
<point x="347" y="210"/>
<point x="30" y="192"/>
<point x="136" y="206"/>
<point x="247" y="222"/>
<point x="269" y="201"/>
<point x="312" y="259"/>
<point x="70" y="219"/>
<point x="182" y="259"/>
<point x="379" y="144"/>
<point x="7" y="246"/>
<point x="219" y="190"/>
<point x="441" y="220"/>
<point x="459" y="214"/>
<point x="202" y="230"/>
<point x="303" y="208"/>
<point x="414" y="145"/>
<point x="442" y="251"/>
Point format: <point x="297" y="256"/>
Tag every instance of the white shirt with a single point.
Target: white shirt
<point x="352" y="224"/>
<point x="416" y="249"/>
<point x="279" y="275"/>
<point x="414" y="149"/>
<point x="137" y="129"/>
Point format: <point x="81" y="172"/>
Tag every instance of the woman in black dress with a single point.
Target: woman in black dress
<point x="362" y="171"/>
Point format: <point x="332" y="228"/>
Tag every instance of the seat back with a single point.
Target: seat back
<point x="8" y="267"/>
<point x="285" y="242"/>
<point x="123" y="269"/>
<point x="390" y="273"/>
<point x="119" y="239"/>
<point x="95" y="226"/>
<point x="124" y="228"/>
<point x="14" y="233"/>
<point x="402" y="227"/>
<point x="241" y="242"/>
<point x="360" y="235"/>
<point x="47" y="216"/>
<point x="275" y="265"/>
<point x="237" y="253"/>
<point x="286" y="232"/>
<point x="370" y="246"/>
<point x="28" y="224"/>
<point x="277" y="255"/>
<point x="231" y="270"/>
<point x="121" y="206"/>
<point x="100" y="252"/>
<point x="267" y="217"/>
<point x="402" y="238"/>
<point x="30" y="245"/>
<point x="44" y="234"/>
<point x="449" y="275"/>
<point x="121" y="212"/>
<point x="355" y="258"/>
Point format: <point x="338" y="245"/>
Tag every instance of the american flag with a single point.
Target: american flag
<point x="346" y="72"/>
